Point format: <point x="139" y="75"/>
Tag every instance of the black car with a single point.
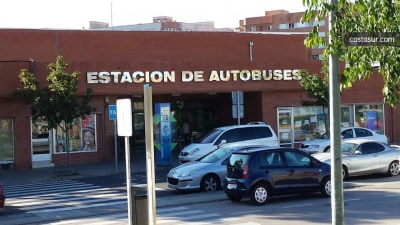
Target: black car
<point x="263" y="172"/>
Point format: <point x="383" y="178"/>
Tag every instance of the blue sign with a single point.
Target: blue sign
<point x="163" y="134"/>
<point x="112" y="112"/>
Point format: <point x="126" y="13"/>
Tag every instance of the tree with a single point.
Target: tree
<point x="374" y="26"/>
<point x="317" y="89"/>
<point x="57" y="102"/>
<point x="360" y="21"/>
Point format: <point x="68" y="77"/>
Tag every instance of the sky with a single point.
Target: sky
<point x="76" y="14"/>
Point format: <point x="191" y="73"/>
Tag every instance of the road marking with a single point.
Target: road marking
<point x="354" y="199"/>
<point x="161" y="221"/>
<point x="95" y="220"/>
<point x="295" y="206"/>
<point x="79" y="207"/>
<point x="246" y="212"/>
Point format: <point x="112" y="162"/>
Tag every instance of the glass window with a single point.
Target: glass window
<point x="297" y="159"/>
<point x="247" y="133"/>
<point x="229" y="136"/>
<point x="263" y="132"/>
<point x="274" y="159"/>
<point x="309" y="122"/>
<point x="362" y="132"/>
<point x="365" y="149"/>
<point x="82" y="136"/>
<point x="369" y="116"/>
<point x="348" y="133"/>
<point x="6" y="140"/>
<point x="210" y="137"/>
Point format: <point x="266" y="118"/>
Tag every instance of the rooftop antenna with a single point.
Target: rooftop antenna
<point x="111" y="16"/>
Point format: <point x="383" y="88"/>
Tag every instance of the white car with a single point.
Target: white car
<point x="360" y="157"/>
<point x="250" y="134"/>
<point x="322" y="143"/>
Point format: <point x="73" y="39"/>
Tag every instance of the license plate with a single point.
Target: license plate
<point x="231" y="186"/>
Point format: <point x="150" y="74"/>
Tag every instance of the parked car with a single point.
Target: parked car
<point x="206" y="173"/>
<point x="322" y="143"/>
<point x="253" y="133"/>
<point x="264" y="172"/>
<point x="2" y="197"/>
<point x="362" y="157"/>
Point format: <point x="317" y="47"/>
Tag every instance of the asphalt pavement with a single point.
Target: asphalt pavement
<point x="137" y="163"/>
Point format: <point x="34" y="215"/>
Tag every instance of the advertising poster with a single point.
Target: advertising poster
<point x="89" y="134"/>
<point x="371" y="120"/>
<point x="163" y="134"/>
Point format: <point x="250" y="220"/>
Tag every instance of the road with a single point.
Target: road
<point x="102" y="200"/>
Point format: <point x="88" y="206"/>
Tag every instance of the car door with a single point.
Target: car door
<point x="302" y="175"/>
<point x="273" y="168"/>
<point x="364" y="159"/>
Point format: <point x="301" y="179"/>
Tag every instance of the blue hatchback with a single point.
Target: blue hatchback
<point x="263" y="172"/>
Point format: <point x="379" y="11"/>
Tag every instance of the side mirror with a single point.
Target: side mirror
<point x="357" y="152"/>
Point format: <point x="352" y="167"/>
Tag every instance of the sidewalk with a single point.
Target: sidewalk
<point x="138" y="165"/>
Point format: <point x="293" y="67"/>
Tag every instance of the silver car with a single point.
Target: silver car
<point x="206" y="173"/>
<point x="362" y="157"/>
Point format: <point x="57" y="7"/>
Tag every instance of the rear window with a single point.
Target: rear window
<point x="263" y="132"/>
<point x="238" y="160"/>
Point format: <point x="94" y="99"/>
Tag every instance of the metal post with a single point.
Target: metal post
<point x="335" y="135"/>
<point x="238" y="106"/>
<point x="128" y="181"/>
<point x="148" y="120"/>
<point x="115" y="146"/>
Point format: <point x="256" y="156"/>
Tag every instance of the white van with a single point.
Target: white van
<point x="252" y="133"/>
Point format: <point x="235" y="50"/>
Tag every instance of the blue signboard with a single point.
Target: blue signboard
<point x="163" y="134"/>
<point x="112" y="112"/>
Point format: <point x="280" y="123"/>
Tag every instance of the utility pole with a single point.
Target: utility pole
<point x="335" y="135"/>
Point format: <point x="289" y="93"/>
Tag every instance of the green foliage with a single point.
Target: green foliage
<point x="316" y="88"/>
<point x="355" y="18"/>
<point x="57" y="101"/>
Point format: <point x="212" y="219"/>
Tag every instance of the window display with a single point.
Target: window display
<point x="82" y="136"/>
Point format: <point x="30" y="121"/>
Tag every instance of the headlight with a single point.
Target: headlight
<point x="194" y="151"/>
<point x="188" y="173"/>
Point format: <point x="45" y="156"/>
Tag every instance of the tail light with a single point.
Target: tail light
<point x="245" y="171"/>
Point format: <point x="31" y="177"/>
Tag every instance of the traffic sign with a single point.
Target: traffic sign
<point x="112" y="112"/>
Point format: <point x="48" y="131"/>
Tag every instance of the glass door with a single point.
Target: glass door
<point x="285" y="127"/>
<point x="40" y="141"/>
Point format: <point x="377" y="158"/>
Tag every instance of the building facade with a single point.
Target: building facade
<point x="284" y="21"/>
<point x="195" y="72"/>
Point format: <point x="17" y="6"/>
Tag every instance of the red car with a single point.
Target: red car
<point x="2" y="197"/>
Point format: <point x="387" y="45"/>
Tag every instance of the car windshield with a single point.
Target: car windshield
<point x="324" y="136"/>
<point x="211" y="136"/>
<point x="216" y="155"/>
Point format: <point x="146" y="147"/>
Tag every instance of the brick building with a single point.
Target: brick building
<point x="193" y="71"/>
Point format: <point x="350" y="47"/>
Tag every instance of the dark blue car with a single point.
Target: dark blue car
<point x="263" y="172"/>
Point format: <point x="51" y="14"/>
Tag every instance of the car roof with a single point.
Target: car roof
<point x="359" y="141"/>
<point x="242" y="126"/>
<point x="264" y="148"/>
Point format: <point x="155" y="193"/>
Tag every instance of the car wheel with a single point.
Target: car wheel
<point x="259" y="194"/>
<point x="209" y="183"/>
<point x="345" y="173"/>
<point x="394" y="169"/>
<point x="326" y="187"/>
<point x="234" y="198"/>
